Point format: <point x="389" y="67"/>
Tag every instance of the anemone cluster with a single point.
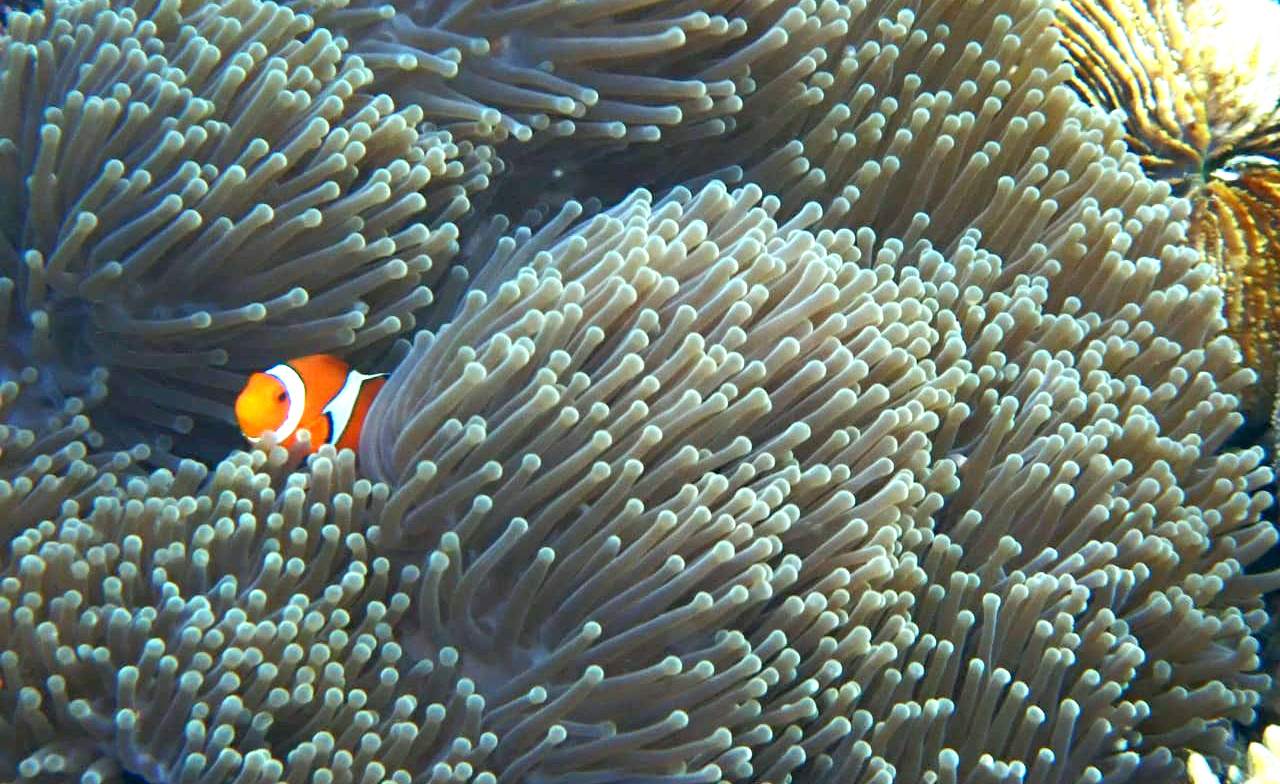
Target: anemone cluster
<point x="1263" y="764"/>
<point x="1198" y="83"/>
<point x="847" y="406"/>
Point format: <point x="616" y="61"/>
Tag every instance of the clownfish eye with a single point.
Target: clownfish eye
<point x="283" y="396"/>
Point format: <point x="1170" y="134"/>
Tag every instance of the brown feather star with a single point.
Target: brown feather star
<point x="1198" y="82"/>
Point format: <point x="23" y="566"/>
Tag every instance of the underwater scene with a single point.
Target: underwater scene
<point x="639" y="391"/>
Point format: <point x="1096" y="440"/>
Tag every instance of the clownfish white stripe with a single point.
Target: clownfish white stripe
<point x="296" y="389"/>
<point x="344" y="403"/>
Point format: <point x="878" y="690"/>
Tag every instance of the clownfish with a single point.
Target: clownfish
<point x="319" y="393"/>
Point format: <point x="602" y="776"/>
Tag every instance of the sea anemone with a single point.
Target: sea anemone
<point x="958" y="249"/>
<point x="896" y="455"/>
<point x="224" y="626"/>
<point x="608" y="74"/>
<point x="688" y="450"/>
<point x="1197" y="85"/>
<point x="195" y="191"/>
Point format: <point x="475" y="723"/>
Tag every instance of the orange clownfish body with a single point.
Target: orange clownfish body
<point x="318" y="393"/>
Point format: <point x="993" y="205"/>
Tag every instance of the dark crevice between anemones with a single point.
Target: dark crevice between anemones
<point x="19" y="5"/>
